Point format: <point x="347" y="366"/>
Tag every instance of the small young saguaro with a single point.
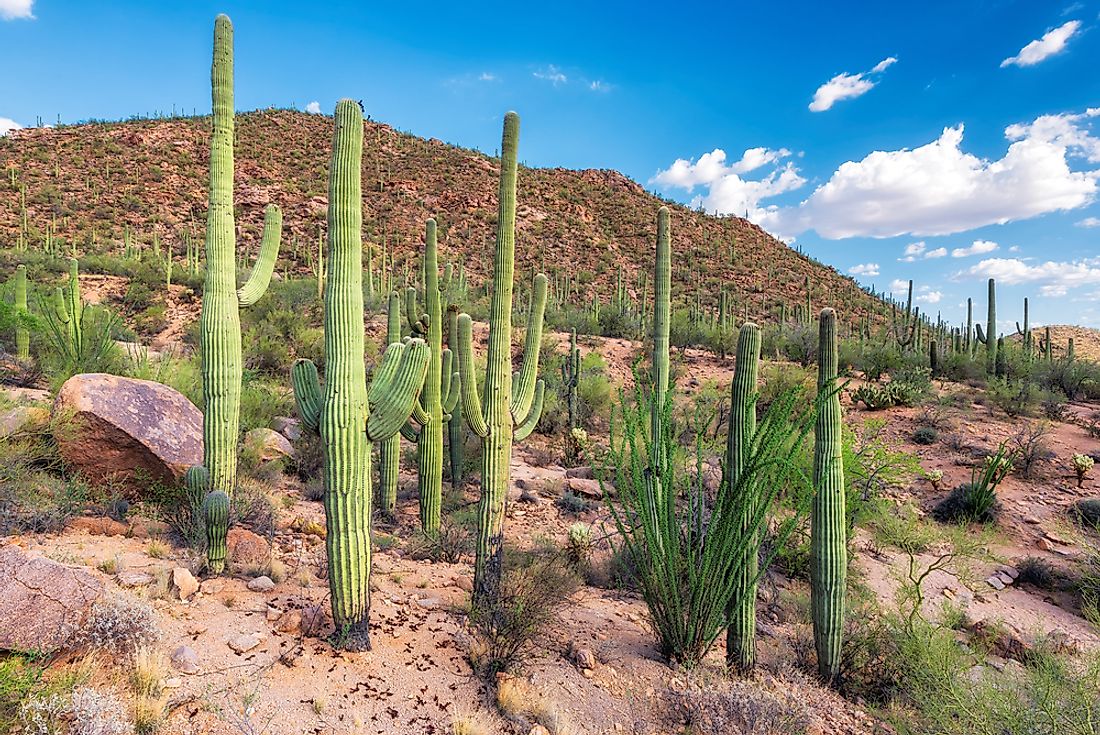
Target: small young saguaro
<point x="347" y="415"/>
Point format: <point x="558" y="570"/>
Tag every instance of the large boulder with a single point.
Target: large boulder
<point x="268" y="444"/>
<point x="131" y="431"/>
<point x="42" y="603"/>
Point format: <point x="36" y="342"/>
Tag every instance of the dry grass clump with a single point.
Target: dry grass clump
<point x="521" y="703"/>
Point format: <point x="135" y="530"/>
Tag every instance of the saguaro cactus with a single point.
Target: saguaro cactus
<point x="828" y="547"/>
<point x="69" y="307"/>
<point x="389" y="450"/>
<point x="347" y="415"/>
<point x="220" y="323"/>
<point x="215" y="517"/>
<point x="22" y="336"/>
<point x="440" y="394"/>
<point x="989" y="336"/>
<point x="570" y="377"/>
<point x="455" y="433"/>
<point x="1025" y="332"/>
<point x="510" y="410"/>
<point x="662" y="290"/>
<point x="741" y="633"/>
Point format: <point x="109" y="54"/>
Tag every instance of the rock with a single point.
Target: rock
<point x="245" y="643"/>
<point x="538" y="730"/>
<point x="1045" y="545"/>
<point x="185" y="659"/>
<point x="268" y="444"/>
<point x="130" y="431"/>
<point x="172" y="682"/>
<point x="97" y="526"/>
<point x="288" y="427"/>
<point x="261" y="584"/>
<point x="995" y="583"/>
<point x="247" y="549"/>
<point x="1005" y="578"/>
<point x="42" y="603"/>
<point x="289" y="622"/>
<point x="583" y="473"/>
<point x="134" y="579"/>
<point x="19" y="418"/>
<point x="1008" y="571"/>
<point x="20" y="394"/>
<point x="582" y="486"/>
<point x="584" y="658"/>
<point x="184" y="583"/>
<point x="428" y="603"/>
<point x="316" y="620"/>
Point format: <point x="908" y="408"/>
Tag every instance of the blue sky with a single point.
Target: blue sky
<point x="944" y="141"/>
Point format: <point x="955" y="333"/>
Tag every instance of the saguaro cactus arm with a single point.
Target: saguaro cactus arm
<point x="523" y="390"/>
<point x="530" y="421"/>
<point x="451" y="383"/>
<point x="471" y="398"/>
<point x="393" y="397"/>
<point x="258" y="281"/>
<point x="307" y="393"/>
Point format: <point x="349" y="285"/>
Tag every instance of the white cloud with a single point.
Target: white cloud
<point x="13" y="9"/>
<point x="727" y="190"/>
<point x="314" y="108"/>
<point x="898" y="287"/>
<point x="916" y="250"/>
<point x="599" y="86"/>
<point x="7" y="124"/>
<point x="864" y="269"/>
<point x="937" y="253"/>
<point x="486" y="76"/>
<point x="1054" y="278"/>
<point x="938" y="189"/>
<point x="551" y="74"/>
<point x="1051" y="43"/>
<point x="979" y="247"/>
<point x="1089" y="222"/>
<point x="847" y="86"/>
<point x="928" y="296"/>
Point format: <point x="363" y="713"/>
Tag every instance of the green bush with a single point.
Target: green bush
<point x="925" y="435"/>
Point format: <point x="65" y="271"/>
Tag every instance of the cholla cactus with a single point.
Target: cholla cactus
<point x="1082" y="464"/>
<point x="935" y="478"/>
<point x="576" y="444"/>
<point x="580" y="545"/>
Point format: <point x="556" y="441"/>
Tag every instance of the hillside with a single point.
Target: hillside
<point x="88" y="182"/>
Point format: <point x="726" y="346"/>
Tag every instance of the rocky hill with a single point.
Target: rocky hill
<point x="87" y="183"/>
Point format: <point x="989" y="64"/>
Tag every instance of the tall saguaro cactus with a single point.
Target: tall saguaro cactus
<point x="440" y="393"/>
<point x="828" y="530"/>
<point x="347" y="415"/>
<point x="455" y="432"/>
<point x="389" y="450"/>
<point x="69" y="307"/>
<point x="510" y="409"/>
<point x="662" y="297"/>
<point x="741" y="633"/>
<point x="570" y="377"/>
<point x="22" y="336"/>
<point x="220" y="323"/>
<point x="989" y="337"/>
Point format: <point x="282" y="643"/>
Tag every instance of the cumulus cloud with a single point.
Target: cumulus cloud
<point x="928" y="296"/>
<point x="1052" y="42"/>
<point x="864" y="269"/>
<point x="314" y="108"/>
<point x="898" y="287"/>
<point x="7" y="124"/>
<point x="551" y="74"/>
<point x="1088" y="222"/>
<point x="727" y="190"/>
<point x="847" y="86"/>
<point x="1054" y="278"/>
<point x="979" y="247"/>
<point x="13" y="9"/>
<point x="919" y="250"/>
<point x="938" y="189"/>
<point x="937" y="253"/>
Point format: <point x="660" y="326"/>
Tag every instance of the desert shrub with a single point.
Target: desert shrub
<point x="910" y="384"/>
<point x="574" y="504"/>
<point x="925" y="435"/>
<point x="119" y="624"/>
<point x="534" y="587"/>
<point x="976" y="501"/>
<point x="742" y="707"/>
<point x="1030" y="445"/>
<point x="44" y="714"/>
<point x="1014" y="397"/>
<point x="878" y="360"/>
<point x="94" y="712"/>
<point x="961" y="368"/>
<point x="448" y="545"/>
<point x="1086" y="585"/>
<point x="1037" y="572"/>
<point x="779" y="379"/>
<point x="308" y="456"/>
<point x="798" y="343"/>
<point x="1087" y="512"/>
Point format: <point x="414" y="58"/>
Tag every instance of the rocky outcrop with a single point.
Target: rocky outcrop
<point x="268" y="444"/>
<point x="42" y="603"/>
<point x="132" y="431"/>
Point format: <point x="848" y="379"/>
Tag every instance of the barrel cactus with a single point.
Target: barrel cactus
<point x="220" y="322"/>
<point x="215" y="516"/>
<point x="510" y="408"/>
<point x="828" y="530"/>
<point x="347" y="415"/>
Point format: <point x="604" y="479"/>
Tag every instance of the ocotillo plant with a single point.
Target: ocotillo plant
<point x="570" y="377"/>
<point x="741" y="633"/>
<point x="455" y="432"/>
<point x="22" y="336"/>
<point x="989" y="336"/>
<point x="439" y="395"/>
<point x="509" y="411"/>
<point x="828" y="532"/>
<point x="347" y="415"/>
<point x="69" y="307"/>
<point x="389" y="450"/>
<point x="220" y="322"/>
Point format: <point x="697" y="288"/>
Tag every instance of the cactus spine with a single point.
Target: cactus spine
<point x="828" y="550"/>
<point x="741" y="633"/>
<point x="347" y="415"/>
<point x="440" y="394"/>
<point x="215" y="516"/>
<point x="22" y="336"/>
<point x="389" y="450"/>
<point x="509" y="411"/>
<point x="220" y="323"/>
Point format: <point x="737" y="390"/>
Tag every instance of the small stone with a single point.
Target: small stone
<point x="184" y="583"/>
<point x="288" y="427"/>
<point x="1006" y="579"/>
<point x="587" y="488"/>
<point x="289" y="622"/>
<point x="584" y="658"/>
<point x="428" y="603"/>
<point x="272" y="614"/>
<point x="995" y="583"/>
<point x="261" y="584"/>
<point x="134" y="579"/>
<point x="246" y="642"/>
<point x="1032" y="520"/>
<point x="268" y="444"/>
<point x="1012" y="572"/>
<point x="538" y="730"/>
<point x="172" y="682"/>
<point x="185" y="660"/>
<point x="587" y="673"/>
<point x="1045" y="545"/>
